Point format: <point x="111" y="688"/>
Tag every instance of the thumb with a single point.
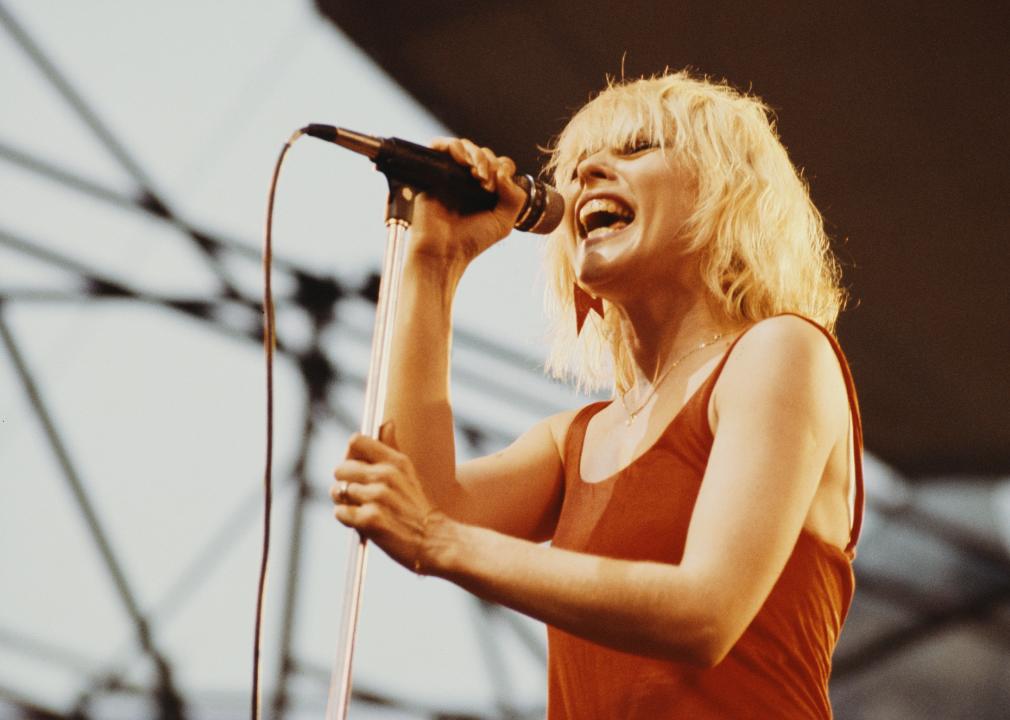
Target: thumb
<point x="387" y="434"/>
<point x="511" y="197"/>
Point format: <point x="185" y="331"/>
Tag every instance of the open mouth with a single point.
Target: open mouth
<point x="603" y="216"/>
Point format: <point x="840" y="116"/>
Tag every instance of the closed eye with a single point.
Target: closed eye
<point x="637" y="146"/>
<point x="632" y="147"/>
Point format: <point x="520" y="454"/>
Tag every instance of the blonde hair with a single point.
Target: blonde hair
<point x="761" y="241"/>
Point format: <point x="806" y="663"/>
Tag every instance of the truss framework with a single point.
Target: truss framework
<point x="319" y="299"/>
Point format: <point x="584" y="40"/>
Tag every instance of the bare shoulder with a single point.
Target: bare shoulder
<point x="783" y="360"/>
<point x="784" y="342"/>
<point x="784" y="334"/>
<point x="559" y="424"/>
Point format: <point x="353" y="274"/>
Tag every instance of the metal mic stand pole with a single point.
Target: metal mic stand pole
<point x="399" y="210"/>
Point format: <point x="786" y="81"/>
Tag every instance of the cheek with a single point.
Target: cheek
<point x="670" y="217"/>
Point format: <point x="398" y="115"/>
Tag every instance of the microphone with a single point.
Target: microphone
<point x="436" y="173"/>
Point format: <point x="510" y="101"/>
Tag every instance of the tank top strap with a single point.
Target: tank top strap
<point x="576" y="436"/>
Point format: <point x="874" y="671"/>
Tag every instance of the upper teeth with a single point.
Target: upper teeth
<point x="607" y="205"/>
<point x="616" y="215"/>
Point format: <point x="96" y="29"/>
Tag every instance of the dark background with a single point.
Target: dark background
<point x="896" y="112"/>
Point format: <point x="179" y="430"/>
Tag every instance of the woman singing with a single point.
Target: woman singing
<point x="702" y="523"/>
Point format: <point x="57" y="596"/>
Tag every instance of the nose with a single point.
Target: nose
<point x="598" y="166"/>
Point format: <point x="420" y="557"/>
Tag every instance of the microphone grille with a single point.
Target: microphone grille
<point x="552" y="213"/>
<point x="544" y="207"/>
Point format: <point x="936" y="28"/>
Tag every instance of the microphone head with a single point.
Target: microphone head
<point x="544" y="206"/>
<point x="552" y="214"/>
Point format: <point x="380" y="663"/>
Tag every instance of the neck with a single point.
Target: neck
<point x="659" y="330"/>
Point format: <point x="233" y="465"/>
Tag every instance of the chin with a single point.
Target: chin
<point x="610" y="262"/>
<point x="592" y="273"/>
<point x="601" y="276"/>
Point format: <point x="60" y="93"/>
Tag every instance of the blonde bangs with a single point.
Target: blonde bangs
<point x="762" y="241"/>
<point x="620" y="116"/>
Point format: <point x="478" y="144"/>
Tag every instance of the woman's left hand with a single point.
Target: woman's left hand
<point x="377" y="493"/>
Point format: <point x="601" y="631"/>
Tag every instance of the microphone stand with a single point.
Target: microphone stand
<point x="399" y="212"/>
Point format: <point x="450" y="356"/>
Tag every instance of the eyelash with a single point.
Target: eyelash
<point x="637" y="146"/>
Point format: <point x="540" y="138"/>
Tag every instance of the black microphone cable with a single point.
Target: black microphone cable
<point x="269" y="344"/>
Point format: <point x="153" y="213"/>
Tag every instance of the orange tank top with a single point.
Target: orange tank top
<point x="779" y="667"/>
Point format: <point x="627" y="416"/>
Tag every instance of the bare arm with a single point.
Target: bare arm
<point x="514" y="491"/>
<point x="780" y="411"/>
<point x="518" y="491"/>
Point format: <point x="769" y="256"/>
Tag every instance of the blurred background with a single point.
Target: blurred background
<point x="136" y="145"/>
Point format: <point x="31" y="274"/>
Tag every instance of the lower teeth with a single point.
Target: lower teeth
<point x="607" y="230"/>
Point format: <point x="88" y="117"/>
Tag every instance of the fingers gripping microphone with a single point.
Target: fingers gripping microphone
<point x="436" y="173"/>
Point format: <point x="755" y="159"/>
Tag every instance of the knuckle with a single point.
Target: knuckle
<point x="346" y="470"/>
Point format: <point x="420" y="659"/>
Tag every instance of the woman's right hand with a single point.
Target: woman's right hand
<point x="451" y="240"/>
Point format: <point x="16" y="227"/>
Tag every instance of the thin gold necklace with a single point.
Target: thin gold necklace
<point x="632" y="414"/>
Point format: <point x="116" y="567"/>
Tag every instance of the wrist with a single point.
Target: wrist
<point x="435" y="266"/>
<point x="439" y="545"/>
